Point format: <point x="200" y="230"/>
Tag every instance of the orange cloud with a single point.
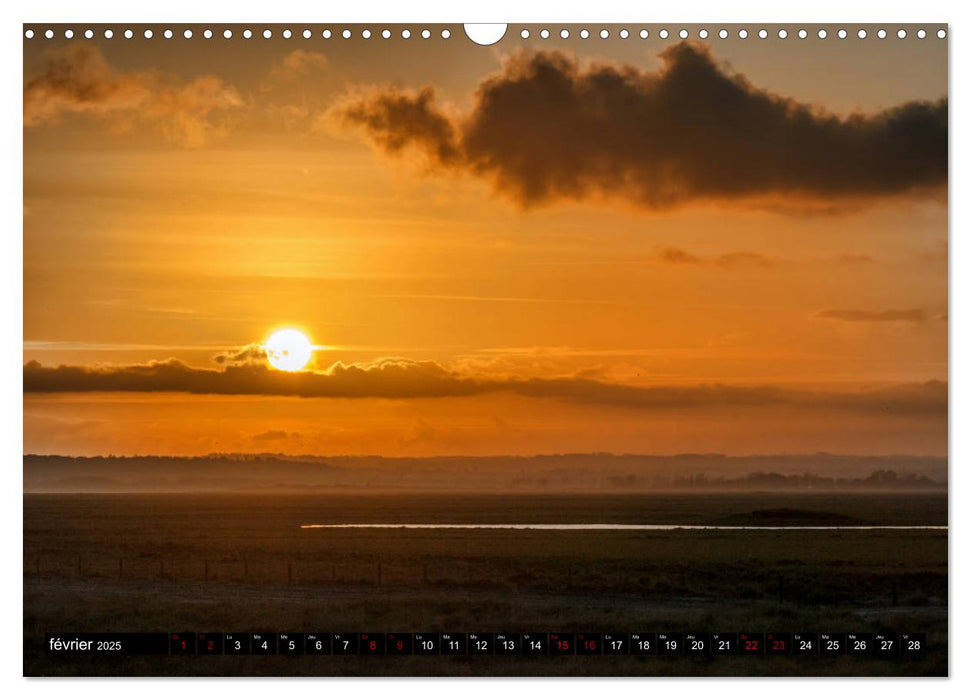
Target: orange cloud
<point x="78" y="80"/>
<point x="547" y="128"/>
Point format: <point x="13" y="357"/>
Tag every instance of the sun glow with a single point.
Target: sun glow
<point x="288" y="350"/>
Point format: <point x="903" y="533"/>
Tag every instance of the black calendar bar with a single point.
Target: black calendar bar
<point x="527" y="644"/>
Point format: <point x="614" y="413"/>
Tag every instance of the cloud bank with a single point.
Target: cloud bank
<point x="547" y="128"/>
<point x="410" y="379"/>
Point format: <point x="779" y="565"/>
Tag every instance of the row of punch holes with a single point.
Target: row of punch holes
<point x="524" y="33"/>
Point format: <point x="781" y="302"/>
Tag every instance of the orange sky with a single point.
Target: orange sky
<point x="183" y="199"/>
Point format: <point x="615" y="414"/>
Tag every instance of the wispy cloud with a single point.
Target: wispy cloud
<point x="740" y="258"/>
<point x="78" y="80"/>
<point x="865" y="316"/>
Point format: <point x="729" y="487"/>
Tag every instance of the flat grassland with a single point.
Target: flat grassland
<point x="238" y="563"/>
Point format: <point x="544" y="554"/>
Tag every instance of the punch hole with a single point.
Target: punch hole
<point x="484" y="34"/>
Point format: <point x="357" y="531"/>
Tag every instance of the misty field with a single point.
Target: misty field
<point x="238" y="563"/>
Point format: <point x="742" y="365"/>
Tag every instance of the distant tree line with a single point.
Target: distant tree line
<point x="879" y="479"/>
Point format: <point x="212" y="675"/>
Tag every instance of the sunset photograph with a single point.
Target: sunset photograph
<point x="371" y="332"/>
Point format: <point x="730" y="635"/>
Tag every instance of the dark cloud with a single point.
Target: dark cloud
<point x="862" y="316"/>
<point x="398" y="120"/>
<point x="252" y="354"/>
<point x="274" y="435"/>
<point x="677" y="256"/>
<point x="409" y="379"/>
<point x="741" y="258"/>
<point x="547" y="128"/>
<point x="78" y="80"/>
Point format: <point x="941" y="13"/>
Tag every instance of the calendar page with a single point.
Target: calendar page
<point x="485" y="350"/>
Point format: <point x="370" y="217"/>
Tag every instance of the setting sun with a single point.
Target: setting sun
<point x="288" y="350"/>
